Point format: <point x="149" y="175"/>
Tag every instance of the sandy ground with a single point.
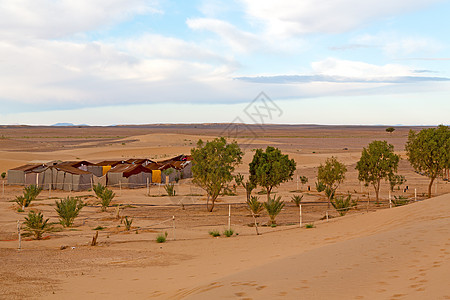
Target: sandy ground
<point x="372" y="253"/>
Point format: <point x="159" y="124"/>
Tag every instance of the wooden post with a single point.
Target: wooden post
<point x="92" y="183"/>
<point x="94" y="239"/>
<point x="148" y="189"/>
<point x="173" y="227"/>
<point x="327" y="214"/>
<point x="3" y="189"/>
<point x="297" y="182"/>
<point x="300" y="210"/>
<point x="20" y="235"/>
<point x="159" y="189"/>
<point x="229" y="216"/>
<point x="415" y="194"/>
<point x="37" y="179"/>
<point x="390" y="201"/>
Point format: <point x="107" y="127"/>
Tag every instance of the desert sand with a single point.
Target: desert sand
<point x="374" y="252"/>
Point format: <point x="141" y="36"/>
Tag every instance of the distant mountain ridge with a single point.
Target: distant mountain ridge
<point x="67" y="124"/>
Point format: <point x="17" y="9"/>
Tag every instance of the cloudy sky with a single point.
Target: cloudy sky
<point x="109" y="62"/>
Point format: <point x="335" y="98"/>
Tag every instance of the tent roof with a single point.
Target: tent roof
<point x="70" y="169"/>
<point x="76" y="163"/>
<point x="28" y="167"/>
<point x="181" y="157"/>
<point x="153" y="166"/>
<point x="127" y="170"/>
<point x="111" y="163"/>
<point x="139" y="161"/>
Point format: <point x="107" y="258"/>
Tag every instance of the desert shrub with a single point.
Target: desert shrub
<point x="214" y="233"/>
<point x="310" y="225"/>
<point x="400" y="200"/>
<point x="228" y="232"/>
<point x="99" y="228"/>
<point x="104" y="194"/>
<point x="30" y="194"/>
<point x="297" y="199"/>
<point x="68" y="209"/>
<point x="343" y="204"/>
<point x="170" y="188"/>
<point x="273" y="207"/>
<point x="161" y="238"/>
<point x="128" y="223"/>
<point x="320" y="186"/>
<point x="3" y="175"/>
<point x="36" y="225"/>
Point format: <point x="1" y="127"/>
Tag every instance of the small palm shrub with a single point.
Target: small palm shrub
<point x="297" y="199"/>
<point x="161" y="238"/>
<point x="104" y="194"/>
<point x="320" y="186"/>
<point x="310" y="225"/>
<point x="273" y="207"/>
<point x="254" y="206"/>
<point x="400" y="200"/>
<point x="214" y="233"/>
<point x="30" y="194"/>
<point x="343" y="204"/>
<point x="68" y="209"/>
<point x="228" y="232"/>
<point x="128" y="223"/>
<point x="170" y="189"/>
<point x="36" y="225"/>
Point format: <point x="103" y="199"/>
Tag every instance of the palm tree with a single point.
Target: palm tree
<point x="273" y="207"/>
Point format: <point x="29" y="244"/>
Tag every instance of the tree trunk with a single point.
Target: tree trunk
<point x="268" y="193"/>
<point x="430" y="186"/>
<point x="207" y="202"/>
<point x="377" y="191"/>
<point x="256" y="224"/>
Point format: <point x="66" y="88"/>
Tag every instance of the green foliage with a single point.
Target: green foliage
<point x="310" y="225"/>
<point x="297" y="199"/>
<point x="170" y="189"/>
<point x="396" y="180"/>
<point x="212" y="165"/>
<point x="254" y="206"/>
<point x="320" y="186"/>
<point x="303" y="179"/>
<point x="36" y="225"/>
<point x="228" y="232"/>
<point x="400" y="200"/>
<point x="161" y="238"/>
<point x="30" y="194"/>
<point x="168" y="171"/>
<point x="429" y="152"/>
<point x="331" y="175"/>
<point x="343" y="204"/>
<point x="104" y="194"/>
<point x="214" y="233"/>
<point x="99" y="228"/>
<point x="378" y="161"/>
<point x="68" y="209"/>
<point x="390" y="129"/>
<point x="128" y="223"/>
<point x="271" y="168"/>
<point x="3" y="175"/>
<point x="273" y="207"/>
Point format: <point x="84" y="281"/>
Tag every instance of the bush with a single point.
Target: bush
<point x="36" y="225"/>
<point x="343" y="205"/>
<point x="273" y="207"/>
<point x="170" y="188"/>
<point x="104" y="194"/>
<point x="99" y="228"/>
<point x="3" y="175"/>
<point x="228" y="232"/>
<point x="320" y="186"/>
<point x="311" y="225"/>
<point x="214" y="233"/>
<point x="254" y="206"/>
<point x="68" y="209"/>
<point x="400" y="200"/>
<point x="30" y="194"/>
<point x="161" y="238"/>
<point x="297" y="199"/>
<point x="128" y="223"/>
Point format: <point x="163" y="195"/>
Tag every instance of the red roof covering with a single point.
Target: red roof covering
<point x="76" y="164"/>
<point x="70" y="169"/>
<point x="127" y="170"/>
<point x="111" y="163"/>
<point x="28" y="167"/>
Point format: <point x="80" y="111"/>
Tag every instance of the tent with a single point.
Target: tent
<point x="85" y="166"/>
<point x="127" y="175"/>
<point x="26" y="174"/>
<point x="69" y="178"/>
<point x="140" y="161"/>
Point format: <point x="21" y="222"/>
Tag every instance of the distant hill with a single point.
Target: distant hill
<point x="67" y="124"/>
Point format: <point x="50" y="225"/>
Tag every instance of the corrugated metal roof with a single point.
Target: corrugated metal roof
<point x="70" y="169"/>
<point x="111" y="163"/>
<point x="28" y="167"/>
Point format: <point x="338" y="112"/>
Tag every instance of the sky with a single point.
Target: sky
<point x="110" y="62"/>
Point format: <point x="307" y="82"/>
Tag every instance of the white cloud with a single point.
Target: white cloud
<point x="22" y="19"/>
<point x="357" y="69"/>
<point x="293" y="17"/>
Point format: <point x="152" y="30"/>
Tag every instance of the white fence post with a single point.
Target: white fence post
<point x="173" y="227"/>
<point x="20" y="235"/>
<point x="327" y="214"/>
<point x="300" y="211"/>
<point x="3" y="189"/>
<point x="415" y="194"/>
<point x="229" y="216"/>
<point x="390" y="201"/>
<point x="148" y="189"/>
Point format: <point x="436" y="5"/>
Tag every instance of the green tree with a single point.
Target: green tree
<point x="396" y="180"/>
<point x="255" y="207"/>
<point x="429" y="152"/>
<point x="213" y="164"/>
<point x="271" y="168"/>
<point x="68" y="209"/>
<point x="247" y="185"/>
<point x="390" y="129"/>
<point x="378" y="161"/>
<point x="330" y="176"/>
<point x="104" y="194"/>
<point x="273" y="207"/>
<point x="30" y="194"/>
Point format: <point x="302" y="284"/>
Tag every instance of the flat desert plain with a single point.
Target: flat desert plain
<point x="373" y="252"/>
